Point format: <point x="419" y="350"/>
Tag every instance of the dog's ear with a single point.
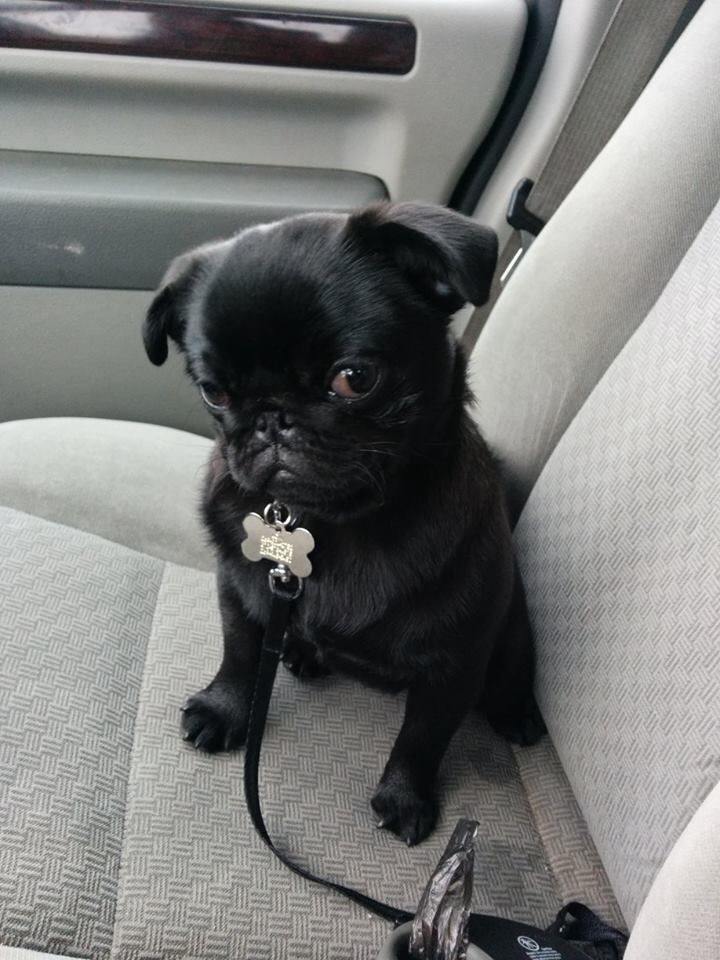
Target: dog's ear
<point x="447" y="256"/>
<point x="164" y="317"/>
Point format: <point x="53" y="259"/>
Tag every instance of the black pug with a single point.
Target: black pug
<point x="321" y="347"/>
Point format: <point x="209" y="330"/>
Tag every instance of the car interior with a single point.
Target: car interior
<point x="587" y="135"/>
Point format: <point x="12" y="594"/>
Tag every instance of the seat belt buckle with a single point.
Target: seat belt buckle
<point x="526" y="223"/>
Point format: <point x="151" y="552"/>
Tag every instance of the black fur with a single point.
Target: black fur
<point x="414" y="585"/>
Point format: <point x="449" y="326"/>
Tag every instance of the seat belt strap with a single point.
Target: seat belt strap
<point x="636" y="39"/>
<point x="626" y="58"/>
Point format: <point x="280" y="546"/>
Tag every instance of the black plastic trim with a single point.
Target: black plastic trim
<point x="518" y="215"/>
<point x="542" y="17"/>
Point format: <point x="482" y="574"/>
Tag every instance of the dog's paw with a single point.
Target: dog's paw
<point x="215" y="719"/>
<point x="524" y="727"/>
<point x="405" y="811"/>
<point x="302" y="662"/>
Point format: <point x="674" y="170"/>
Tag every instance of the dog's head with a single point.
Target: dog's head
<point x="320" y="345"/>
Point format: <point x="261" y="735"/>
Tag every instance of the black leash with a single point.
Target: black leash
<point x="500" y="938"/>
<point x="272" y="648"/>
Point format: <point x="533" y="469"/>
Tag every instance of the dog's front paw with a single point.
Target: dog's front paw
<point x="404" y="810"/>
<point x="302" y="661"/>
<point x="216" y="718"/>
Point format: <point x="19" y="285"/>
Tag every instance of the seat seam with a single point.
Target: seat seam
<point x="538" y="831"/>
<point x="133" y="755"/>
<point x="97" y="536"/>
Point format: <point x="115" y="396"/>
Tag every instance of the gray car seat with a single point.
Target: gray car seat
<point x="597" y="383"/>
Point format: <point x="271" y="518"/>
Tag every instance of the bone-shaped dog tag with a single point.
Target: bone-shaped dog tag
<point x="267" y="542"/>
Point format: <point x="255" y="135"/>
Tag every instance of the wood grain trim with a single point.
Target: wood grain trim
<point x="218" y="34"/>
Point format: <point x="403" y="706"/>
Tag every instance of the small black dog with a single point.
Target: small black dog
<point x="320" y="345"/>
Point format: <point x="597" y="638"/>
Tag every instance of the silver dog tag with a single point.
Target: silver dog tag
<point x="266" y="541"/>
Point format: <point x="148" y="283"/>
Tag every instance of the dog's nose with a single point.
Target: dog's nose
<point x="272" y="423"/>
<point x="285" y="421"/>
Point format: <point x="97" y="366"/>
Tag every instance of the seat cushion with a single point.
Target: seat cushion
<point x="134" y="483"/>
<point x="118" y="839"/>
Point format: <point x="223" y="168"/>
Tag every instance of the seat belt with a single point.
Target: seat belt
<point x="636" y="40"/>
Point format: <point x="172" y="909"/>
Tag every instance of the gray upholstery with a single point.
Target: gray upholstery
<point x="599" y="265"/>
<point x="680" y="917"/>
<point x="74" y="625"/>
<point x="119" y="840"/>
<point x="129" y="482"/>
<point x="619" y="547"/>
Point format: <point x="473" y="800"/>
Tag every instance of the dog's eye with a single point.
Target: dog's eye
<point x="214" y="397"/>
<point x="354" y="380"/>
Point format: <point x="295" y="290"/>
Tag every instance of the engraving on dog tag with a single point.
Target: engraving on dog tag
<point x="267" y="542"/>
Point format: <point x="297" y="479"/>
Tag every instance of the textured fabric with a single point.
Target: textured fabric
<point x="134" y="483"/>
<point x="596" y="269"/>
<point x="73" y="628"/>
<point x="117" y="838"/>
<point x="564" y="833"/>
<point x="680" y="917"/>
<point x="620" y="550"/>
<point x="195" y="879"/>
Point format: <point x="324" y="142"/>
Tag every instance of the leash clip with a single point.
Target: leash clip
<point x="283" y="583"/>
<point x="278" y="515"/>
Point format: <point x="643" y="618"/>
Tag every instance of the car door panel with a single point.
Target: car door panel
<point x="113" y="162"/>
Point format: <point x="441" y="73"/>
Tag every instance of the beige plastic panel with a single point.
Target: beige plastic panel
<point x="66" y="352"/>
<point x="415" y="132"/>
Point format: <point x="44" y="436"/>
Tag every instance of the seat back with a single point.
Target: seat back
<point x="618" y="404"/>
<point x="680" y="917"/>
<point x="599" y="265"/>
